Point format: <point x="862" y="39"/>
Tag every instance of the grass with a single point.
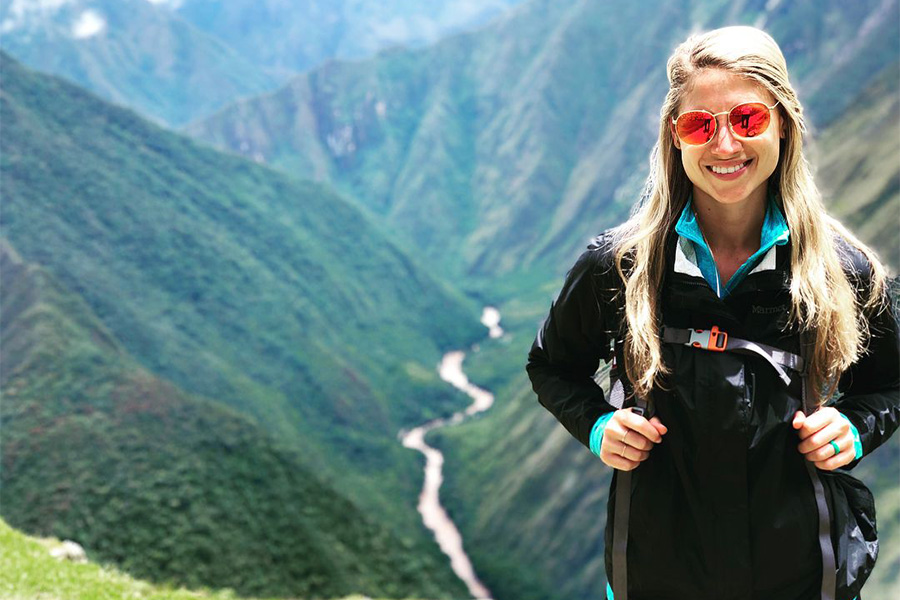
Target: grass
<point x="27" y="571"/>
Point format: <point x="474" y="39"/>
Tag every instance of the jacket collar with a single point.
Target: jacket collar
<point x="692" y="256"/>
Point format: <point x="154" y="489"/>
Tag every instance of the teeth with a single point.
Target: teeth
<point x="725" y="171"/>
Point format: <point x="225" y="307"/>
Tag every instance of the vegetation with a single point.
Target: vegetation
<point x="516" y="144"/>
<point x="272" y="297"/>
<point x="860" y="187"/>
<point x="27" y="572"/>
<point x="167" y="486"/>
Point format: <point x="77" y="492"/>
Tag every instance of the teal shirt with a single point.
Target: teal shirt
<point x="774" y="232"/>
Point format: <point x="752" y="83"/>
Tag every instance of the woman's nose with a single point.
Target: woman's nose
<point x="725" y="143"/>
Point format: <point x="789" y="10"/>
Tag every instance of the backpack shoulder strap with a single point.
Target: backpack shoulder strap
<point x="621" y="391"/>
<point x="829" y="568"/>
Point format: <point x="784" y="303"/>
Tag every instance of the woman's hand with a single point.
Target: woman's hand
<point x="628" y="438"/>
<point x="816" y="433"/>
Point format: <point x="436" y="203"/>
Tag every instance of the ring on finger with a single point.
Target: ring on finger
<point x="625" y="436"/>
<point x="837" y="449"/>
<point x="624" y="448"/>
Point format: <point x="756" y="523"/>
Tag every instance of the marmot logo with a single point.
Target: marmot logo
<point x="768" y="310"/>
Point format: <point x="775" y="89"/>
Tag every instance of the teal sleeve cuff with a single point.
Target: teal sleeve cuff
<point x="857" y="443"/>
<point x="597" y="432"/>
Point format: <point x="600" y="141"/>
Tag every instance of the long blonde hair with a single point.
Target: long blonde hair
<point x="823" y="302"/>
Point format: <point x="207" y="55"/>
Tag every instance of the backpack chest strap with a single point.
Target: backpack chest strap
<point x="716" y="340"/>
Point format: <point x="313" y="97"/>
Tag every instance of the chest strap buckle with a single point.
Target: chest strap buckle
<point x="709" y="339"/>
<point x="718" y="341"/>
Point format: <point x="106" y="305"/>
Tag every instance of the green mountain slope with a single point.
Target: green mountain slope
<point x="27" y="571"/>
<point x="858" y="169"/>
<point x="166" y="486"/>
<point x="517" y="143"/>
<point x="133" y="53"/>
<point x="271" y="296"/>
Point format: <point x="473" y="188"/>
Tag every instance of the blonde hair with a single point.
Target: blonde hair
<point x="824" y="303"/>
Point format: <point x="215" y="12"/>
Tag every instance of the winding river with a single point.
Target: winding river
<point x="433" y="514"/>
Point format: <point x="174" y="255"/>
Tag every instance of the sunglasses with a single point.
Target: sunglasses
<point x="748" y="120"/>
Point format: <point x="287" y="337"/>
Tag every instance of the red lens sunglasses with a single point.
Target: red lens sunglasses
<point x="748" y="120"/>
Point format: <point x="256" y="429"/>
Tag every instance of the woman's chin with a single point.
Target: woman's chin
<point x="732" y="195"/>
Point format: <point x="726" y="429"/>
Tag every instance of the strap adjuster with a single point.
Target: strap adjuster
<point x="711" y="339"/>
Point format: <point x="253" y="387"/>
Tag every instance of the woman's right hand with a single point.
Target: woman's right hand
<point x="628" y="438"/>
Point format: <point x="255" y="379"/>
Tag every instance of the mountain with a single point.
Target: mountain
<point x="272" y="296"/>
<point x="132" y="53"/>
<point x="297" y="36"/>
<point x="179" y="60"/>
<point x="165" y="485"/>
<point x="862" y="186"/>
<point x="517" y="143"/>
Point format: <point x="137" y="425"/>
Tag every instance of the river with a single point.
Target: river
<point x="434" y="516"/>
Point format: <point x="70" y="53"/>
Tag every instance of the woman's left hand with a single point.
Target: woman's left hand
<point x="816" y="433"/>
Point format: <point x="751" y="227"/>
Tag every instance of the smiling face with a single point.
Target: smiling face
<point x="711" y="167"/>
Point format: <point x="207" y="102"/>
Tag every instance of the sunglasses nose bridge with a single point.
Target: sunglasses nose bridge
<point x="718" y="127"/>
<point x="723" y="133"/>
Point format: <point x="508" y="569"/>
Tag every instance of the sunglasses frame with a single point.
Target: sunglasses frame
<point x="715" y="119"/>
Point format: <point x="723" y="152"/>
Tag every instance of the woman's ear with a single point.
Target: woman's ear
<point x="675" y="139"/>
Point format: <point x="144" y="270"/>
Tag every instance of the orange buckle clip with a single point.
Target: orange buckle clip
<point x="713" y="339"/>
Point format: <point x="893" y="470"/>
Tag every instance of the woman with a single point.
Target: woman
<point x="724" y="484"/>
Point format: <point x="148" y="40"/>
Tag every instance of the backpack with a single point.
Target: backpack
<point x="848" y="537"/>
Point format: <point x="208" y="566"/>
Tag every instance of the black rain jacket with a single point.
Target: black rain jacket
<point x="723" y="508"/>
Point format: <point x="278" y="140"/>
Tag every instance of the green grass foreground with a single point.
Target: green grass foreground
<point x="28" y="572"/>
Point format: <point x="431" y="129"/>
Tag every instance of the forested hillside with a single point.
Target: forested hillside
<point x="270" y="296"/>
<point x="516" y="144"/>
<point x="167" y="486"/>
<point x="861" y="187"/>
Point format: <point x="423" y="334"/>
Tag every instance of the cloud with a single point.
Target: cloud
<point x="89" y="24"/>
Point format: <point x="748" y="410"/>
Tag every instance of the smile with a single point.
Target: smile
<point x="729" y="170"/>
